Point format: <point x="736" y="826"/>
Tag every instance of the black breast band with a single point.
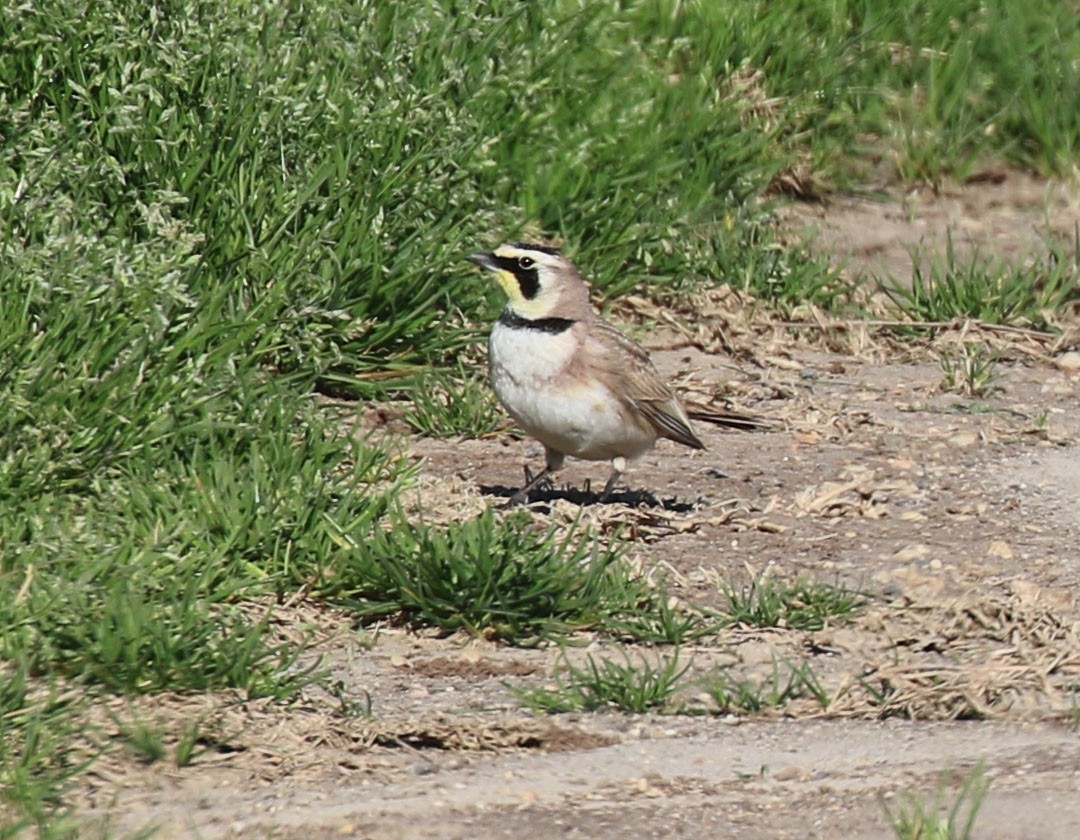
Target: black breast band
<point x="547" y="325"/>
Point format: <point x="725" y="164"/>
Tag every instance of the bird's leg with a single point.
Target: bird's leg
<point x="618" y="467"/>
<point x="531" y="482"/>
<point x="553" y="462"/>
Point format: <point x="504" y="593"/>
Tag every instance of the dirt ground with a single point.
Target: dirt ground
<point x="959" y="516"/>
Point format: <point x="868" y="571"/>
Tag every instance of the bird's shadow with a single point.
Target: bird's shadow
<point x="587" y="497"/>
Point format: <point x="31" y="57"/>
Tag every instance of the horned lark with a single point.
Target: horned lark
<point x="570" y="379"/>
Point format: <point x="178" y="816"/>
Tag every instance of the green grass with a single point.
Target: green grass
<point x="629" y="686"/>
<point x="335" y="189"/>
<point x="660" y="621"/>
<point x="150" y="743"/>
<point x="505" y="579"/>
<point x="640" y="684"/>
<point x="145" y="741"/>
<point x="970" y="371"/>
<point x="915" y="817"/>
<point x="799" y="605"/>
<point x="749" y="697"/>
<point x="138" y="583"/>
<point x="189" y="745"/>
<point x="454" y="403"/>
<point x="946" y="288"/>
<point x="499" y="578"/>
<point x="37" y="759"/>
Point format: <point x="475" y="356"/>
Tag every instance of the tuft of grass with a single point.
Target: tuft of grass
<point x="133" y="627"/>
<point x="453" y="403"/>
<point x="660" y="621"/>
<point x="917" y="818"/>
<point x="944" y="289"/>
<point x="498" y="578"/>
<point x="751" y="260"/>
<point x="361" y="705"/>
<point x="144" y="741"/>
<point x="747" y="697"/>
<point x="37" y="756"/>
<point x="972" y="371"/>
<point x="799" y="605"/>
<point x="630" y="686"/>
<point x="188" y="744"/>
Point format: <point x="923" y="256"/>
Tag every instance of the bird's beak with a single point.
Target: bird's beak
<point x="484" y="261"/>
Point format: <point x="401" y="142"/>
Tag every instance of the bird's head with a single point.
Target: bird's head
<point x="539" y="282"/>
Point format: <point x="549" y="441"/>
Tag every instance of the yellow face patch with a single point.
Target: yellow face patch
<point x="509" y="285"/>
<point x="523" y="281"/>
<point x="538" y="307"/>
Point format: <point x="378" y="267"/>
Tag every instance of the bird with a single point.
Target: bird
<point x="570" y="379"/>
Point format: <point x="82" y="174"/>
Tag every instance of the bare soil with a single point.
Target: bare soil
<point x="958" y="515"/>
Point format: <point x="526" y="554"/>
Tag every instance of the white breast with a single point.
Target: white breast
<point x="567" y="414"/>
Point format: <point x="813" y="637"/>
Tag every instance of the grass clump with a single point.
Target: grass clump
<point x="496" y="578"/>
<point x="453" y="403"/>
<point x="37" y="759"/>
<point x="190" y="744"/>
<point x="160" y="577"/>
<point x="798" y="605"/>
<point x="971" y="371"/>
<point x="917" y="818"/>
<point x="503" y="579"/>
<point x="145" y="741"/>
<point x="639" y="685"/>
<point x="750" y="259"/>
<point x="661" y="621"/>
<point x="945" y="289"/>
<point x="630" y="686"/>
<point x="750" y="697"/>
<point x="133" y="635"/>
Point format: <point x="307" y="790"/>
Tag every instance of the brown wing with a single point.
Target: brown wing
<point x="626" y="365"/>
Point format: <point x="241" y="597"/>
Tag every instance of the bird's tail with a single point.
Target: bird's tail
<point x="731" y="419"/>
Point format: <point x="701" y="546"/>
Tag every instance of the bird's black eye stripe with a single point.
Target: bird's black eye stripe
<point x="528" y="277"/>
<point x="529" y="281"/>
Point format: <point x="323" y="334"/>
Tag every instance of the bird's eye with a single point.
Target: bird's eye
<point x="526" y="263"/>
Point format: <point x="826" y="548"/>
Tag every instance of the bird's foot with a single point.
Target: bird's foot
<point x="541" y="481"/>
